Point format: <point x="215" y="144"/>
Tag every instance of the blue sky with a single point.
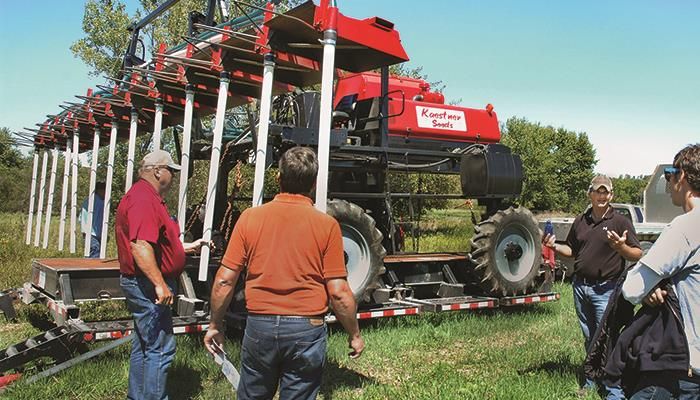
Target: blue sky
<point x="625" y="72"/>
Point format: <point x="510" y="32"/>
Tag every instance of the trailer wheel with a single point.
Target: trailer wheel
<point x="506" y="250"/>
<point x="362" y="244"/>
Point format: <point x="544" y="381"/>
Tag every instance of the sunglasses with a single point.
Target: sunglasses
<point x="172" y="170"/>
<point x="671" y="171"/>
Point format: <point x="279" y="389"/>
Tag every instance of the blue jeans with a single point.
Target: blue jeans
<point x="663" y="386"/>
<point x="153" y="343"/>
<point x="288" y="351"/>
<point x="94" y="246"/>
<point x="590" y="301"/>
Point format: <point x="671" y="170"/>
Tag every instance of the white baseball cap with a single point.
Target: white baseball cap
<point x="160" y="158"/>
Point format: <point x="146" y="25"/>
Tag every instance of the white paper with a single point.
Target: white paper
<point x="228" y="369"/>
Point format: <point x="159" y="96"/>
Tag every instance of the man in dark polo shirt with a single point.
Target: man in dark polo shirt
<point x="151" y="258"/>
<point x="295" y="265"/>
<point x="600" y="240"/>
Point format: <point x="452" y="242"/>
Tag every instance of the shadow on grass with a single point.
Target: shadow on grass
<point x="337" y="377"/>
<point x="560" y="366"/>
<point x="530" y="309"/>
<point x="37" y="315"/>
<point x="184" y="382"/>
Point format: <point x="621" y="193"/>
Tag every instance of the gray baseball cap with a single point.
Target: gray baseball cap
<point x="601" y="181"/>
<point x="160" y="158"/>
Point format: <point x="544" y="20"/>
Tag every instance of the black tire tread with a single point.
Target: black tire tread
<point x="482" y="256"/>
<point x="350" y="213"/>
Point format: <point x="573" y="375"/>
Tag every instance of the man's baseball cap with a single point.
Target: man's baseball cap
<point x="160" y="158"/>
<point x="600" y="181"/>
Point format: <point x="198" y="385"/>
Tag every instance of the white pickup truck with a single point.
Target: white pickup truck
<point x="649" y="220"/>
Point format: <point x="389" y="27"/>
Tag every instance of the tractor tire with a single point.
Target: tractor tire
<point x="362" y="244"/>
<point x="507" y="252"/>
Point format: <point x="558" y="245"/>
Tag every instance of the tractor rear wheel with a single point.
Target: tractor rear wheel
<point x="507" y="252"/>
<point x="362" y="244"/>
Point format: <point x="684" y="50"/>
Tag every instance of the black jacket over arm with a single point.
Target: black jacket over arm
<point x="628" y="344"/>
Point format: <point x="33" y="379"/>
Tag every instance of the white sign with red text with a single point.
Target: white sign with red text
<point x="440" y="118"/>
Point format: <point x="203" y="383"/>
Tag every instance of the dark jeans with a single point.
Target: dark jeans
<point x="665" y="386"/>
<point x="153" y="343"/>
<point x="285" y="351"/>
<point x="590" y="301"/>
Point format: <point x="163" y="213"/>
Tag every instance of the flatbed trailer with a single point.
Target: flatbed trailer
<point x="64" y="285"/>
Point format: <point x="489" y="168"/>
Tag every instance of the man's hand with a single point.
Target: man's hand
<point x="196" y="246"/>
<point x="345" y="309"/>
<point x="549" y="240"/>
<point x="213" y="340"/>
<point x="163" y="295"/>
<point x="656" y="297"/>
<point x="616" y="241"/>
<point x="357" y="344"/>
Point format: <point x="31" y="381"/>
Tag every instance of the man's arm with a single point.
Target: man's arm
<point x="221" y="295"/>
<point x="345" y="309"/>
<point x="561" y="249"/>
<point x="233" y="262"/>
<point x="193" y="247"/>
<point x="629" y="253"/>
<point x="619" y="243"/>
<point x="145" y="260"/>
<point x="639" y="286"/>
<point x="667" y="257"/>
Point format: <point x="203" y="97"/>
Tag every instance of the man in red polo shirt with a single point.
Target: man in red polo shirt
<point x="295" y="264"/>
<point x="151" y="258"/>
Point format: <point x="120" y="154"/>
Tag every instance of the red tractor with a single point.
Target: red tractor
<point x="382" y="124"/>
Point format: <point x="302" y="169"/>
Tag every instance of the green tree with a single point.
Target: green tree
<point x="574" y="161"/>
<point x="10" y="156"/>
<point x="105" y="24"/>
<point x="15" y="175"/>
<point x="557" y="163"/>
<point x="629" y="189"/>
<point x="106" y="39"/>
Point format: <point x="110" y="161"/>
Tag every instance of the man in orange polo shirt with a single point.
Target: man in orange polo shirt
<point x="295" y="265"/>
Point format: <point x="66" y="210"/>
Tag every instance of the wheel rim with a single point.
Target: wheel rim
<point x="357" y="256"/>
<point x="515" y="252"/>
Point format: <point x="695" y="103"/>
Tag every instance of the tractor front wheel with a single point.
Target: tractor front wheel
<point x="507" y="252"/>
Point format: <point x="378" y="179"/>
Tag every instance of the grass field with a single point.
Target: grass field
<point x="532" y="352"/>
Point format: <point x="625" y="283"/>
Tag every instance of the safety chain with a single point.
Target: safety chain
<point x="227" y="222"/>
<point x="198" y="208"/>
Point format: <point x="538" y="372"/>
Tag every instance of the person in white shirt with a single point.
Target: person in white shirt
<point x="674" y="256"/>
